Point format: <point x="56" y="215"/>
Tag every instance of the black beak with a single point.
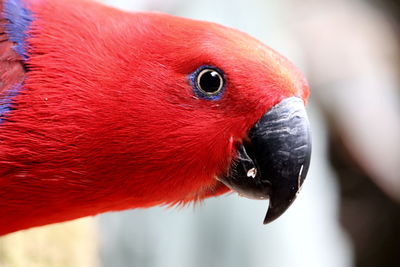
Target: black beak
<point x="274" y="162"/>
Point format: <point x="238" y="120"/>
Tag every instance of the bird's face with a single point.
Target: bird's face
<point x="233" y="108"/>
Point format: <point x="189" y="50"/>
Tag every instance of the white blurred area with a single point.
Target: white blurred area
<point x="348" y="51"/>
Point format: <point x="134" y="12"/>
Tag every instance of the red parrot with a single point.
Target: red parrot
<point x="104" y="110"/>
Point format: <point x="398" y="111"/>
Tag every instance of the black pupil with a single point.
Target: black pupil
<point x="210" y="81"/>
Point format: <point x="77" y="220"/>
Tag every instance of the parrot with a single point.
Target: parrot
<point x="106" y="110"/>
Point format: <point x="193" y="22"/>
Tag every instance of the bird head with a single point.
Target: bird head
<point x="210" y="109"/>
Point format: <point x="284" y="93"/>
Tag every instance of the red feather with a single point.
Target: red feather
<point x="108" y="120"/>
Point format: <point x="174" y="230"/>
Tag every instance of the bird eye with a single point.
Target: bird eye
<point x="208" y="82"/>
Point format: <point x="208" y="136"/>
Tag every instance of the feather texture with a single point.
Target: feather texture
<point x="108" y="119"/>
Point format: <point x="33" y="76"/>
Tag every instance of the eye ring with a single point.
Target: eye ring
<point x="208" y="82"/>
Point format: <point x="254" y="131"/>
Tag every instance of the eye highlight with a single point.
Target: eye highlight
<point x="208" y="82"/>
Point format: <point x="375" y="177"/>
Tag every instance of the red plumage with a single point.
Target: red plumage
<point x="107" y="120"/>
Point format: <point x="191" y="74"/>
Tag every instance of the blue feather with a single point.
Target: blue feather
<point x="6" y="101"/>
<point x="19" y="20"/>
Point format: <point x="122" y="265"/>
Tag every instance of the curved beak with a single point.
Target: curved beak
<point x="274" y="162"/>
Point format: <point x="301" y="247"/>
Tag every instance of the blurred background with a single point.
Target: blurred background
<point x="348" y="213"/>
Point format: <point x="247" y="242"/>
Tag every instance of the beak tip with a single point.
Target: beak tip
<point x="271" y="215"/>
<point x="267" y="220"/>
<point x="275" y="211"/>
